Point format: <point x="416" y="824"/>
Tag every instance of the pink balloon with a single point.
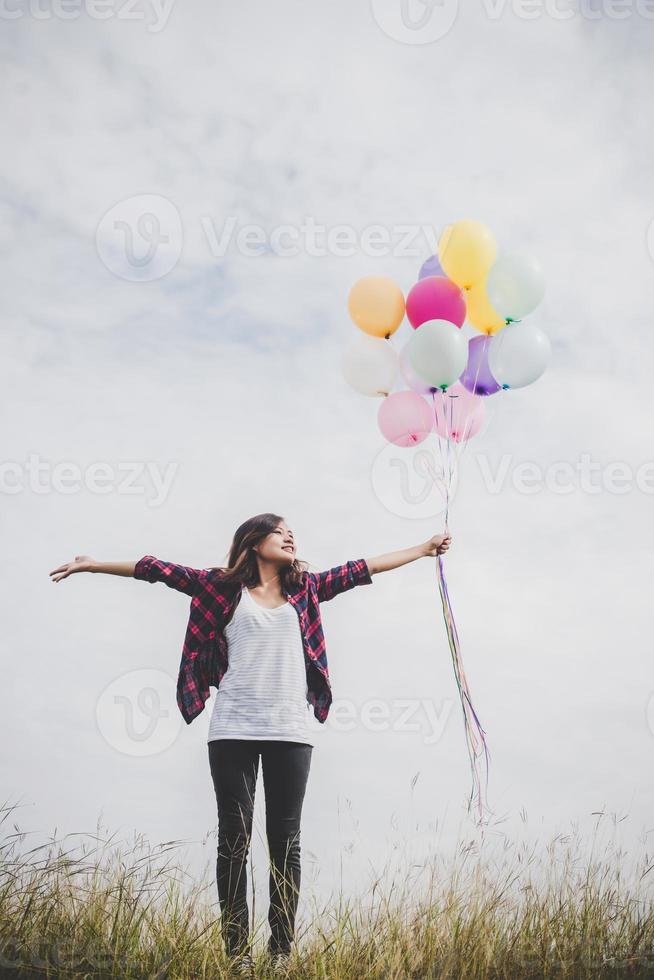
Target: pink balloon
<point x="459" y="413"/>
<point x="413" y="380"/>
<point x="405" y="418"/>
<point x="435" y="298"/>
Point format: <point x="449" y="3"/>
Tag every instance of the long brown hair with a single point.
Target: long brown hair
<point x="242" y="568"/>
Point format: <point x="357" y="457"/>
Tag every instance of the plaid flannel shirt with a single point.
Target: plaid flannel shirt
<point x="204" y="654"/>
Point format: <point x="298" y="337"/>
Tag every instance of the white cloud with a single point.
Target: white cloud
<point x="230" y="369"/>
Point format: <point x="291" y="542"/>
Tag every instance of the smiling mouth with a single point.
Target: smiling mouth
<point x="287" y="547"/>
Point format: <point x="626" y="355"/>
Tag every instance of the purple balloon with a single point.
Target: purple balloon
<point x="431" y="267"/>
<point x="477" y="376"/>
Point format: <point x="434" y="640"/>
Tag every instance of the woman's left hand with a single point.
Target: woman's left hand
<point x="438" y="545"/>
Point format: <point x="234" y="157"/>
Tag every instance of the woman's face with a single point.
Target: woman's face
<point x="278" y="546"/>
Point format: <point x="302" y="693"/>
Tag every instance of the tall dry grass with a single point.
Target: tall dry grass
<point x="86" y="906"/>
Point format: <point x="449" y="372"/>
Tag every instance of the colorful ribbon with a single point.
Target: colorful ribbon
<point x="475" y="734"/>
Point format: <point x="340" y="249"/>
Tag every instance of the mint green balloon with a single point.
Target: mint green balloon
<point x="438" y="353"/>
<point x="518" y="355"/>
<point x="515" y="285"/>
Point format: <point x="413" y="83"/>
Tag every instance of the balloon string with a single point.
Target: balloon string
<point x="450" y="430"/>
<point x="478" y="751"/>
<point x="448" y="477"/>
<point x="441" y="454"/>
<point x="477" y="747"/>
<point x="446" y="460"/>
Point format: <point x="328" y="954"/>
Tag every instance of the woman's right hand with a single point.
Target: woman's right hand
<point x="80" y="563"/>
<point x="437" y="545"/>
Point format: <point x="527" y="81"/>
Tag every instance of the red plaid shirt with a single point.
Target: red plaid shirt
<point x="204" y="655"/>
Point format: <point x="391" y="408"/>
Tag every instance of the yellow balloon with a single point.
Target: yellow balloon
<point x="376" y="305"/>
<point x="466" y="251"/>
<point x="480" y="313"/>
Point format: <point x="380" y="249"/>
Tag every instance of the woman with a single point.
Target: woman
<point x="255" y="633"/>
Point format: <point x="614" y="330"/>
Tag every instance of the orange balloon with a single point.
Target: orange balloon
<point x="376" y="305"/>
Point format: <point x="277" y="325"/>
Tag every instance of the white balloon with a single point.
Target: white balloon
<point x="518" y="354"/>
<point x="370" y="365"/>
<point x="515" y="285"/>
<point x="438" y="352"/>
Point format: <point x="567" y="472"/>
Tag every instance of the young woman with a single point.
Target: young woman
<point x="255" y="633"/>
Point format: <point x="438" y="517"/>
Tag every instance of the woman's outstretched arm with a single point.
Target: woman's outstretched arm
<point x="437" y="545"/>
<point x="148" y="568"/>
<point x="84" y="563"/>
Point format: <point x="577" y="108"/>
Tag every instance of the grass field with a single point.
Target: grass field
<point x="85" y="906"/>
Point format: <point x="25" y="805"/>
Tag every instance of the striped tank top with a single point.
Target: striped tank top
<point x="263" y="694"/>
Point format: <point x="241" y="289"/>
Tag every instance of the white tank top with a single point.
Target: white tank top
<point x="263" y="693"/>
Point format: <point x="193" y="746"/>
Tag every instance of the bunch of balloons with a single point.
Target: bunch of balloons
<point x="465" y="283"/>
<point x="449" y="378"/>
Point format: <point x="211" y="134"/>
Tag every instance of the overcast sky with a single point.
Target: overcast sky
<point x="147" y="329"/>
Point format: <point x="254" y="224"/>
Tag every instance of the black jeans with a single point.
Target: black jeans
<point x="234" y="767"/>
